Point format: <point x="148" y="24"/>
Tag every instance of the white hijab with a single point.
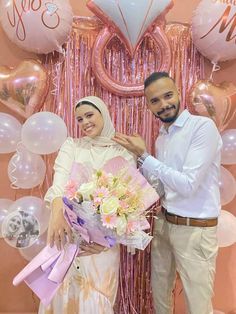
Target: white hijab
<point x="92" y="153"/>
<point x="101" y="148"/>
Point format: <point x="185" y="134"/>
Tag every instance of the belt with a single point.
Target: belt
<point x="186" y="221"/>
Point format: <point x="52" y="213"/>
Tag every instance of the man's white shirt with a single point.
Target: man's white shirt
<point x="187" y="162"/>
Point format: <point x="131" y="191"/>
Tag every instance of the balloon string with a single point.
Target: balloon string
<point x="14" y="182"/>
<point x="215" y="68"/>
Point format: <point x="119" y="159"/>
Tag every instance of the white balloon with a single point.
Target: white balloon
<point x="36" y="207"/>
<point x="226" y="230"/>
<point x="212" y="25"/>
<point x="4" y="211"/>
<point x="20" y="229"/>
<point x="30" y="252"/>
<point x="227" y="186"/>
<point x="25" y="169"/>
<point x="44" y="133"/>
<point x="228" y="156"/>
<point x="10" y="133"/>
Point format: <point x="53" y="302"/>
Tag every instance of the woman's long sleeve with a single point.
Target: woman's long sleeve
<point x="62" y="169"/>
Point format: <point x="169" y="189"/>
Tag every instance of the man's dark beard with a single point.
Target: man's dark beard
<point x="169" y="119"/>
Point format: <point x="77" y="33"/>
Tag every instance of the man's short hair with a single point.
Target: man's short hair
<point x="154" y="77"/>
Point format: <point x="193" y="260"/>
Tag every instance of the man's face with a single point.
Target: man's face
<point x="163" y="99"/>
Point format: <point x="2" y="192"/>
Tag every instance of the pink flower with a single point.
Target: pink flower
<point x="71" y="188"/>
<point x="109" y="221"/>
<point x="99" y="195"/>
<point x="123" y="204"/>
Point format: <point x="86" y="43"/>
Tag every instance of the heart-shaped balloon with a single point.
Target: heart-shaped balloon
<point x="216" y="101"/>
<point x="24" y="88"/>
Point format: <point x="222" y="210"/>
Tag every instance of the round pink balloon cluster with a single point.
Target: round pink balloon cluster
<point x="39" y="26"/>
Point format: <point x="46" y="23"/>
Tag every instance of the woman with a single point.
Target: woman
<point x="91" y="284"/>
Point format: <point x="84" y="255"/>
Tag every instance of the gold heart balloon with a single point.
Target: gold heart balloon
<point x="216" y="101"/>
<point x="23" y="89"/>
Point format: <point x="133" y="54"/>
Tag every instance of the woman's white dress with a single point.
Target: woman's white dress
<point x="91" y="284"/>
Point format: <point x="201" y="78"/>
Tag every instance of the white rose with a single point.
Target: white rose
<point x="87" y="189"/>
<point x="110" y="205"/>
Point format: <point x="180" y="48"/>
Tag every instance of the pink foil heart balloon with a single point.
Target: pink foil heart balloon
<point x="216" y="101"/>
<point x="24" y="88"/>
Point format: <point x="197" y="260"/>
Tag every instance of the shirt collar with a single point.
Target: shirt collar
<point x="179" y="122"/>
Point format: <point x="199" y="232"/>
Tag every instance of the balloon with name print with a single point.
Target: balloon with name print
<point x="34" y="206"/>
<point x="40" y="26"/>
<point x="23" y="88"/>
<point x="215" y="101"/>
<point x="213" y="29"/>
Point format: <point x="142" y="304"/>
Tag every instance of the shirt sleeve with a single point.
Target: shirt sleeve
<point x="201" y="154"/>
<point x="62" y="169"/>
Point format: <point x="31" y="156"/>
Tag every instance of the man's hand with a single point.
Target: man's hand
<point x="91" y="248"/>
<point x="135" y="143"/>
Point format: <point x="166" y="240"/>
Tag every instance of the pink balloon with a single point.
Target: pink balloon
<point x="215" y="101"/>
<point x="4" y="210"/>
<point x="228" y="156"/>
<point x="130" y="21"/>
<point x="44" y="133"/>
<point x="227" y="186"/>
<point x="36" y="207"/>
<point x="213" y="29"/>
<point x="226" y="230"/>
<point x="10" y="130"/>
<point x="30" y="252"/>
<point x="39" y="26"/>
<point x="25" y="169"/>
<point x="24" y="88"/>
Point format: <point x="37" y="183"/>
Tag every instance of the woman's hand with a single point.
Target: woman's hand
<point x="91" y="248"/>
<point x="59" y="232"/>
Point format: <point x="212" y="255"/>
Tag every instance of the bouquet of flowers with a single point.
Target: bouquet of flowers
<point x="111" y="203"/>
<point x="107" y="206"/>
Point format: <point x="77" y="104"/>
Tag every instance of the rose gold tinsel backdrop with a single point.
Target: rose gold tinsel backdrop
<point x="72" y="78"/>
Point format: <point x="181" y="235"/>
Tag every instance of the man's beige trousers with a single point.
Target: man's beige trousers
<point x="191" y="251"/>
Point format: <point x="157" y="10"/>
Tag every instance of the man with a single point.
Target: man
<point x="187" y="163"/>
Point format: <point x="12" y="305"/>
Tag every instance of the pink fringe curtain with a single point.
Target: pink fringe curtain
<point x="72" y="78"/>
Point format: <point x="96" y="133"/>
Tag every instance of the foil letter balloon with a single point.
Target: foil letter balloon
<point x="129" y="20"/>
<point x="23" y="89"/>
<point x="214" y="29"/>
<point x="40" y="26"/>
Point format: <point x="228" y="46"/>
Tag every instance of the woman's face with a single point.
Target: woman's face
<point x="14" y="224"/>
<point x="90" y="120"/>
